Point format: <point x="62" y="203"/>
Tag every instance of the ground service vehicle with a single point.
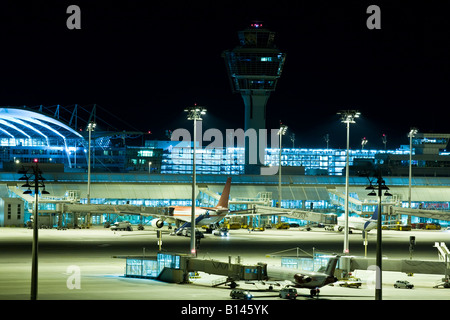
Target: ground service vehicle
<point x="403" y="284"/>
<point x="403" y="228"/>
<point x="234" y="225"/>
<point x="288" y="293"/>
<point x="258" y="229"/>
<point x="198" y="233"/>
<point x="240" y="294"/>
<point x="222" y="232"/>
<point x="351" y="283"/>
<point x="124" y="225"/>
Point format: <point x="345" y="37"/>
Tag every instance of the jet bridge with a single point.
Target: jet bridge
<point x="234" y="272"/>
<point x="401" y="265"/>
<point x="173" y="267"/>
<point x="409" y="265"/>
<point x="312" y="216"/>
<point x="431" y="214"/>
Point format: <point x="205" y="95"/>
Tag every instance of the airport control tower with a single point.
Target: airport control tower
<point x="254" y="68"/>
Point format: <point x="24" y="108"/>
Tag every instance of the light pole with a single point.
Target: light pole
<point x="384" y="139"/>
<point x="327" y="139"/>
<point x="379" y="186"/>
<point x="281" y="133"/>
<point x="194" y="113"/>
<point x="363" y="142"/>
<point x="347" y="116"/>
<point x="36" y="182"/>
<point x="90" y="127"/>
<point x="412" y="133"/>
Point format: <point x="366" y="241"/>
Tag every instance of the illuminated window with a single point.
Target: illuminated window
<point x="145" y="153"/>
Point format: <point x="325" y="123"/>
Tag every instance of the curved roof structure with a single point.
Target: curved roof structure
<point x="34" y="128"/>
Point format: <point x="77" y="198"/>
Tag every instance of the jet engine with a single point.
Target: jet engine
<point x="157" y="223"/>
<point x="300" y="278"/>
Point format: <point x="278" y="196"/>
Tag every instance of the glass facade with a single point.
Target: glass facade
<point x="319" y="261"/>
<point x="230" y="161"/>
<point x="147" y="268"/>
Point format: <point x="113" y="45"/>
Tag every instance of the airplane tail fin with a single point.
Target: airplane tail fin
<point x="223" y="201"/>
<point x="331" y="266"/>
<point x="375" y="214"/>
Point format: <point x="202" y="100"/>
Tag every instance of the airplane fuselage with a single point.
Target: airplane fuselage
<point x="210" y="215"/>
<point x="358" y="223"/>
<point x="310" y="280"/>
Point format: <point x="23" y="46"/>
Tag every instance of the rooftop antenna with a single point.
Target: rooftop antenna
<point x="292" y="139"/>
<point x="327" y="139"/>
<point x="384" y="139"/>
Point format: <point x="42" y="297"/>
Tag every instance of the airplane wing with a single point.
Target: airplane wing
<point x="287" y="212"/>
<point x="117" y="209"/>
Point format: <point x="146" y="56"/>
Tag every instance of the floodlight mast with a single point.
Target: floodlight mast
<point x="90" y="127"/>
<point x="194" y="113"/>
<point x="412" y="133"/>
<point x="281" y="133"/>
<point x="347" y="116"/>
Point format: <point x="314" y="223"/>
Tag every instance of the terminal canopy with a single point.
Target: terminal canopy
<point x="31" y="128"/>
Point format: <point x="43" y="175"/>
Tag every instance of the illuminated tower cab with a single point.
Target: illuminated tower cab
<point x="254" y="68"/>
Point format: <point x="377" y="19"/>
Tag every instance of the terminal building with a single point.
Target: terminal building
<point x="159" y="173"/>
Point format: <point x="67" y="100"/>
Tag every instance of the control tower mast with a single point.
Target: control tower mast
<point x="254" y="68"/>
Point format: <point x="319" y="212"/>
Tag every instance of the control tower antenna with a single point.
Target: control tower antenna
<point x="254" y="68"/>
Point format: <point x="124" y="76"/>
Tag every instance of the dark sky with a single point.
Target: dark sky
<point x="143" y="62"/>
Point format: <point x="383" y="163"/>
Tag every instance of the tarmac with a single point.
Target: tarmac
<point x="79" y="264"/>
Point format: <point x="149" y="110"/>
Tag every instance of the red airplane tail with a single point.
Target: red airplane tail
<point x="223" y="201"/>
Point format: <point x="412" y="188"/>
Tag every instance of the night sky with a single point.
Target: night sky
<point x="143" y="62"/>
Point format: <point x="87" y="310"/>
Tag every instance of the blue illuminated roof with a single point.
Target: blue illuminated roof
<point x="29" y="125"/>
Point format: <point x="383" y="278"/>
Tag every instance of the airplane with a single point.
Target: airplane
<point x="204" y="215"/>
<point x="357" y="223"/>
<point x="303" y="279"/>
